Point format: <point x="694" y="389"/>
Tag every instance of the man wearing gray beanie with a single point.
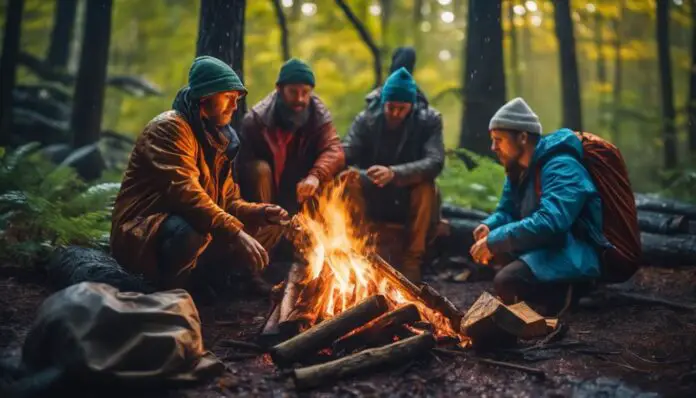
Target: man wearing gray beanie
<point x="547" y="227"/>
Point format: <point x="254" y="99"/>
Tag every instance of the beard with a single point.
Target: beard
<point x="288" y="117"/>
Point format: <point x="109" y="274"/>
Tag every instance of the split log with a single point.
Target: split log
<point x="659" y="223"/>
<point x="490" y="322"/>
<point x="380" y="330"/>
<point x="323" y="334"/>
<point x="452" y="211"/>
<point x="676" y="250"/>
<point x="313" y="376"/>
<point x="667" y="206"/>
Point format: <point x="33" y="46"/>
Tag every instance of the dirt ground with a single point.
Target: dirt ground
<point x="612" y="349"/>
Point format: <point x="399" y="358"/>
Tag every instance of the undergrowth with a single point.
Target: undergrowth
<point x="43" y="206"/>
<point x="478" y="188"/>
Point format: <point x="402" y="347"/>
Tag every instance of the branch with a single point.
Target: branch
<point x="283" y="25"/>
<point x="366" y="37"/>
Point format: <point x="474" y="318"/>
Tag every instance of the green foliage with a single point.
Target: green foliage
<point x="479" y="188"/>
<point x="682" y="185"/>
<point x="42" y="207"/>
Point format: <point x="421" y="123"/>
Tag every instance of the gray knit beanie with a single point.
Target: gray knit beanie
<point x="516" y="115"/>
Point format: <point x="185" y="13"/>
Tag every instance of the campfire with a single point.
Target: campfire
<point x="344" y="298"/>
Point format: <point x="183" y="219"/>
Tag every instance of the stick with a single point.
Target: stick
<point x="240" y="344"/>
<point x="379" y="329"/>
<point x="323" y="334"/>
<point x="313" y="376"/>
<point x="641" y="298"/>
<point x="533" y="371"/>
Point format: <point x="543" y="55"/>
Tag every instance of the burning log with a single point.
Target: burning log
<point x="379" y="330"/>
<point x="489" y="321"/>
<point x="323" y="334"/>
<point x="313" y="376"/>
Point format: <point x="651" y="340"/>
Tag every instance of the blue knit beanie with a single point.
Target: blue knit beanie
<point x="400" y="87"/>
<point x="209" y="75"/>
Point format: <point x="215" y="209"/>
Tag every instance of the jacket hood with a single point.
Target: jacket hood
<point x="560" y="141"/>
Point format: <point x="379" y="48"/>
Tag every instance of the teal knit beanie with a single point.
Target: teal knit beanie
<point x="295" y="71"/>
<point x="400" y="87"/>
<point x="209" y="75"/>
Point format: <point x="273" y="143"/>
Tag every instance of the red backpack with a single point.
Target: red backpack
<point x="606" y="165"/>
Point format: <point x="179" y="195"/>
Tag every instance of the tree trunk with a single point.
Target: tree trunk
<point x="618" y="83"/>
<point x="221" y="35"/>
<point x="283" y="26"/>
<point x="572" y="107"/>
<point x="8" y="66"/>
<point x="692" y="84"/>
<point x="601" y="68"/>
<point x="664" y="58"/>
<point x="417" y="20"/>
<point x="366" y="37"/>
<point x="90" y="85"/>
<point x="385" y="19"/>
<point x="484" y="75"/>
<point x="514" y="51"/>
<point x="62" y="34"/>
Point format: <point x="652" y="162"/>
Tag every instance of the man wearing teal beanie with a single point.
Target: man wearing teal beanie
<point x="399" y="150"/>
<point x="179" y="219"/>
<point x="290" y="146"/>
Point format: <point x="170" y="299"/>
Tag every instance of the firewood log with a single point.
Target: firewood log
<point x="380" y="330"/>
<point x="667" y="206"/>
<point x="323" y="334"/>
<point x="659" y="223"/>
<point x="313" y="376"/>
<point x="676" y="250"/>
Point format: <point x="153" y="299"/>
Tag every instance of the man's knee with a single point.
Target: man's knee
<point x="260" y="169"/>
<point x="178" y="242"/>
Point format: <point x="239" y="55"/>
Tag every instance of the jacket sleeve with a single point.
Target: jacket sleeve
<point x="430" y="166"/>
<point x="354" y="142"/>
<point x="171" y="149"/>
<point x="331" y="159"/>
<point x="504" y="211"/>
<point x="565" y="187"/>
<point x="248" y="212"/>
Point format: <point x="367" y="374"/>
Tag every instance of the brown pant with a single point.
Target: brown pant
<point x="420" y="219"/>
<point x="259" y="179"/>
<point x="187" y="258"/>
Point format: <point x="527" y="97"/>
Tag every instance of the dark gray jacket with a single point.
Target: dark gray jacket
<point x="420" y="154"/>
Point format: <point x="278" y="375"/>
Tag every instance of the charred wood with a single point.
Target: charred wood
<point x="323" y="334"/>
<point x="380" y="330"/>
<point x="314" y="376"/>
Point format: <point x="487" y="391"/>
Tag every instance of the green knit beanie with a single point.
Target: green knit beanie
<point x="400" y="87"/>
<point x="209" y="75"/>
<point x="295" y="71"/>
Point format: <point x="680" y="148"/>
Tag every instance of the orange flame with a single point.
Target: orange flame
<point x="337" y="252"/>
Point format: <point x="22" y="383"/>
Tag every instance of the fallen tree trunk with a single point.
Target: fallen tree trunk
<point x="323" y="334"/>
<point x="676" y="250"/>
<point x="667" y="206"/>
<point x="380" y="330"/>
<point x="660" y="223"/>
<point x="313" y="376"/>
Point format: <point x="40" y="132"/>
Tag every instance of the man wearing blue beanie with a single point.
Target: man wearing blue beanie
<point x="399" y="150"/>
<point x="179" y="219"/>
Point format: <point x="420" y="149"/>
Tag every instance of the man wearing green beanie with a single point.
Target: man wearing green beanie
<point x="179" y="219"/>
<point x="289" y="142"/>
<point x="399" y="151"/>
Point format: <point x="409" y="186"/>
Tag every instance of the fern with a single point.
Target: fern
<point x="479" y="188"/>
<point x="43" y="206"/>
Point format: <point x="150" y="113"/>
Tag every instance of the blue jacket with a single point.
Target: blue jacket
<point x="559" y="236"/>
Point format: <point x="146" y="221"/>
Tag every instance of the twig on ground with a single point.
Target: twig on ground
<point x="645" y="299"/>
<point x="533" y="371"/>
<point x="228" y="343"/>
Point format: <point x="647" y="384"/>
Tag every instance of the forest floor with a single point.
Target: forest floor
<point x="625" y="350"/>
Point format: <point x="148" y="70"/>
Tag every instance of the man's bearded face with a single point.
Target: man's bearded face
<point x="395" y="112"/>
<point x="508" y="147"/>
<point x="296" y="96"/>
<point x="219" y="107"/>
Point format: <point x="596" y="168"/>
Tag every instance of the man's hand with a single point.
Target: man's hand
<point x="480" y="252"/>
<point x="307" y="188"/>
<point x="481" y="232"/>
<point x="380" y="175"/>
<point x="275" y="214"/>
<point x="257" y="255"/>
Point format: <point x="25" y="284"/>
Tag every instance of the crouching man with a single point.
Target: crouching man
<point x="547" y="227"/>
<point x="179" y="219"/>
<point x="399" y="151"/>
<point x="289" y="143"/>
